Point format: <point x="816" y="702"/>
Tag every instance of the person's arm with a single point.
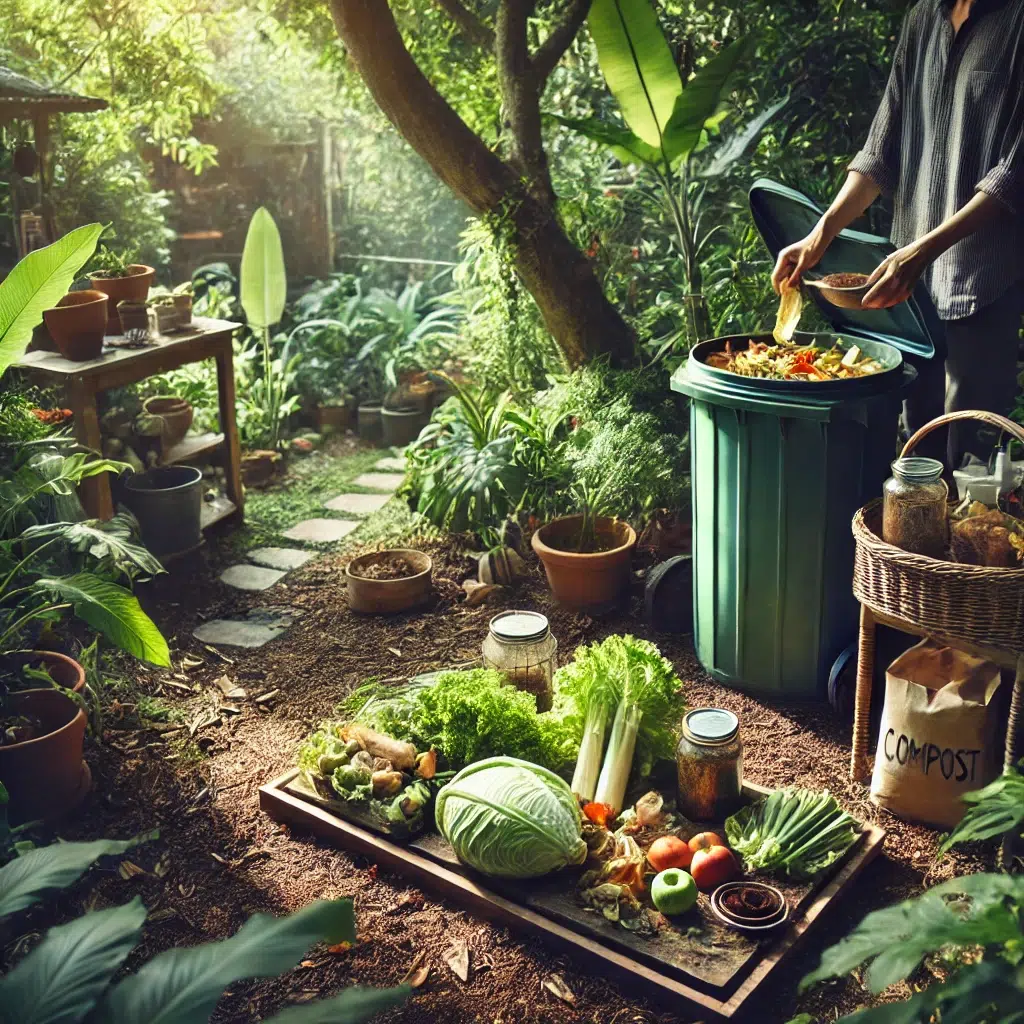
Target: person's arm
<point x="896" y="277"/>
<point x="874" y="170"/>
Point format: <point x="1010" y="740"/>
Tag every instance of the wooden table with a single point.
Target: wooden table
<point x="117" y="367"/>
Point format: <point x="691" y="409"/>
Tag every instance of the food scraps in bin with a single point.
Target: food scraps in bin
<point x="794" y="362"/>
<point x="988" y="537"/>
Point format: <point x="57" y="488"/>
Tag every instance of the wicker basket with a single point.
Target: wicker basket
<point x="972" y="603"/>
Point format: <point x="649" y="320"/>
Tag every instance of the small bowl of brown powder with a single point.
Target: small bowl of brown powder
<point x="843" y="290"/>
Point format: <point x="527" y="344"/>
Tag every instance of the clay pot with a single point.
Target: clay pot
<point x="334" y="417"/>
<point x="134" y="287"/>
<point x="258" y="467"/>
<point x="584" y="580"/>
<point x="175" y="415"/>
<point x="386" y="597"/>
<point x="45" y="777"/>
<point x="77" y="323"/>
<point x="369" y="422"/>
<point x="64" y="671"/>
<point x="400" y="427"/>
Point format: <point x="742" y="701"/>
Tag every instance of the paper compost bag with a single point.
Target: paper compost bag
<point x="938" y="739"/>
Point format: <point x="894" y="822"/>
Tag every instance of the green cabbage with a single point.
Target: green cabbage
<point x="511" y="819"/>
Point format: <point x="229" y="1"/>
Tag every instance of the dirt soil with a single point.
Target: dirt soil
<point x="218" y="859"/>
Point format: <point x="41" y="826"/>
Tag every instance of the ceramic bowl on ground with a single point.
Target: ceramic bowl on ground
<point x="769" y="914"/>
<point x="371" y="596"/>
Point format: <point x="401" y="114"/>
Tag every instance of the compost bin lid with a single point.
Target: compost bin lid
<point x="783" y="216"/>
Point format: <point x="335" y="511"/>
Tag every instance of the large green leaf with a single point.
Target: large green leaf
<point x="54" y="867"/>
<point x="352" y="1006"/>
<point x="736" y="145"/>
<point x="63" y="978"/>
<point x="182" y="986"/>
<point x="637" y="64"/>
<point x="38" y="282"/>
<point x="996" y="810"/>
<point x="106" y="540"/>
<point x="113" y="611"/>
<point x="262" y="283"/>
<point x="697" y="103"/>
<point x="626" y="146"/>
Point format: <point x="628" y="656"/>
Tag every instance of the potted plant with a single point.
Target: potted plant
<point x="121" y="278"/>
<point x="182" y="297"/>
<point x="42" y="728"/>
<point x="386" y="582"/>
<point x="586" y="556"/>
<point x="77" y="324"/>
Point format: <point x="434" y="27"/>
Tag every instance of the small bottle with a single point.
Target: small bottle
<point x="520" y="645"/>
<point x="914" y="512"/>
<point x="709" y="765"/>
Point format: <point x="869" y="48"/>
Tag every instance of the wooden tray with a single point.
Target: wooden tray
<point x="714" y="971"/>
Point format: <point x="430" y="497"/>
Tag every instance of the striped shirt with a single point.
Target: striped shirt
<point x="951" y="122"/>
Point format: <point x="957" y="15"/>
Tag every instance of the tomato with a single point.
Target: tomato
<point x="669" y="852"/>
<point x="713" y="867"/>
<point x="704" y="841"/>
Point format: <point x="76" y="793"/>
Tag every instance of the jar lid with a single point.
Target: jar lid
<point x="918" y="468"/>
<point x="711" y="725"/>
<point x="519" y="627"/>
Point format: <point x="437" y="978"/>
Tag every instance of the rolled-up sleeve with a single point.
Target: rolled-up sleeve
<point x="1005" y="181"/>
<point x="879" y="159"/>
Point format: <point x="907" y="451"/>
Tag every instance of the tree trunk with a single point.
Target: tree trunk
<point x="558" y="276"/>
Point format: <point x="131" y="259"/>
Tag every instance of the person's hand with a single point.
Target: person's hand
<point x="896" y="276"/>
<point x="798" y="257"/>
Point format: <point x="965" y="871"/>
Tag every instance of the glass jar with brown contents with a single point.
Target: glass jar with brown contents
<point x="521" y="647"/>
<point x="914" y="515"/>
<point x="709" y="763"/>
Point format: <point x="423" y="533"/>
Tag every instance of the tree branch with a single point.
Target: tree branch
<point x="550" y="52"/>
<point x="471" y="26"/>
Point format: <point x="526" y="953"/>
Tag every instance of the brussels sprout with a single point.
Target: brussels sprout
<point x="352" y="748"/>
<point x="327" y="763"/>
<point x="349" y="777"/>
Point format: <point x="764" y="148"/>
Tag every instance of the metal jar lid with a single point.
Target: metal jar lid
<point x="710" y="725"/>
<point x="917" y="469"/>
<point x="514" y="627"/>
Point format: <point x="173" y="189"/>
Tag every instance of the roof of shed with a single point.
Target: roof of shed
<point x="20" y="96"/>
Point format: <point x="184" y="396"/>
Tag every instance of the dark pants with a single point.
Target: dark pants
<point x="979" y="371"/>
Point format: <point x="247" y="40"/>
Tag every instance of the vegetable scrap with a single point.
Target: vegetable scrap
<point x="799" y="832"/>
<point x="788" y="317"/>
<point x="794" y="362"/>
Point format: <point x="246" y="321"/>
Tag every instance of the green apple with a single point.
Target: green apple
<point x="674" y="891"/>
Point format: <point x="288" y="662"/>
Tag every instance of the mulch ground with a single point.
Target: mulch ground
<point x="219" y="859"/>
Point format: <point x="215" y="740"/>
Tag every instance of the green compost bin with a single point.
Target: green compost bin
<point x="778" y="470"/>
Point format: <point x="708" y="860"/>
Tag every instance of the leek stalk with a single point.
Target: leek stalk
<point x="618" y="760"/>
<point x="588" y="764"/>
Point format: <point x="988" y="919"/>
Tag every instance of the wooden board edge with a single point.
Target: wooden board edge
<point x="283" y="807"/>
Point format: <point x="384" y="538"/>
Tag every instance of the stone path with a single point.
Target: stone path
<point x="268" y="566"/>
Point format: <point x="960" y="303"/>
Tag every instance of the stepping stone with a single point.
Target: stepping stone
<point x="259" y="627"/>
<point x="250" y="577"/>
<point x="321" y="531"/>
<point x="284" y="559"/>
<point x="391" y="465"/>
<point x="357" y="504"/>
<point x="379" y="481"/>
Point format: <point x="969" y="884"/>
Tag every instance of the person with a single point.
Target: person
<point x="947" y="144"/>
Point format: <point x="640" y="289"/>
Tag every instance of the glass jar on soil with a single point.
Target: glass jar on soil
<point x="521" y="647"/>
<point x="709" y="765"/>
<point x="914" y="507"/>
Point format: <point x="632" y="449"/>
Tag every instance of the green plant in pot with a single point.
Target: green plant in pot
<point x="117" y="274"/>
<point x="587" y="556"/>
<point x="69" y="975"/>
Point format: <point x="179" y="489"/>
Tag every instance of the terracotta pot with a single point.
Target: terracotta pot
<point x="259" y="466"/>
<point x="369" y="422"/>
<point x="175" y="414"/>
<point x="385" y="597"/>
<point x="134" y="287"/>
<point x="45" y="777"/>
<point x="400" y="427"/>
<point x="63" y="670"/>
<point x="77" y="324"/>
<point x="585" y="580"/>
<point x="335" y="417"/>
